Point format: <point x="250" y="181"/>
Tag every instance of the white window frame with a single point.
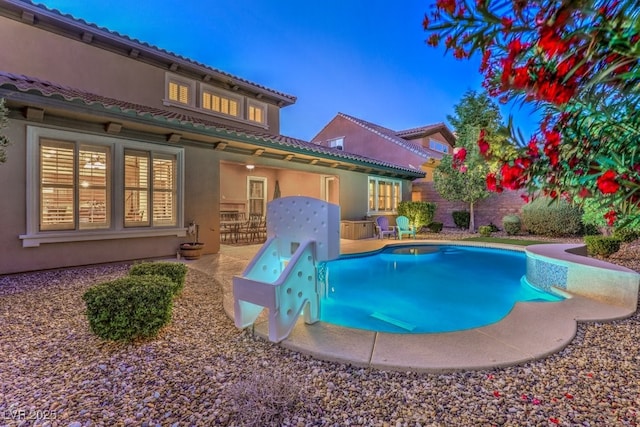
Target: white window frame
<point x="433" y="144"/>
<point x="395" y="198"/>
<point x="336" y="143"/>
<point x="259" y="105"/>
<point x="182" y="81"/>
<point x="264" y="195"/>
<point x="223" y="94"/>
<point x="34" y="237"/>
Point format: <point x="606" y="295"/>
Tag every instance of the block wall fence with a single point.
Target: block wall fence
<point x="489" y="210"/>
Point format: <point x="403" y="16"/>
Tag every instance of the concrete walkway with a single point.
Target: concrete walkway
<point x="530" y="331"/>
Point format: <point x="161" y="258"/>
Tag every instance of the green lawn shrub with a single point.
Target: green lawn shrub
<point x="555" y="218"/>
<point x="511" y="224"/>
<point x="420" y="214"/>
<point x="603" y="246"/>
<point x="461" y="219"/>
<point x="130" y="307"/>
<point x="625" y="234"/>
<point x="173" y="270"/>
<point x="435" y="227"/>
<point x="485" y="230"/>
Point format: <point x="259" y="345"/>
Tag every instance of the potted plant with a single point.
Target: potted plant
<point x="192" y="250"/>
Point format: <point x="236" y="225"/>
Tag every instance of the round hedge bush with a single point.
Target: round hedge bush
<point x="555" y="218"/>
<point x="511" y="224"/>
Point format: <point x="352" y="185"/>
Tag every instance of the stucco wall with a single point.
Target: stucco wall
<point x="200" y="201"/>
<point x="84" y="66"/>
<point x="359" y="140"/>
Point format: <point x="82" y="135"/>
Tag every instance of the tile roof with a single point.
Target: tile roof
<point x="58" y="16"/>
<point x="419" y="131"/>
<point x="33" y="86"/>
<point x="393" y="136"/>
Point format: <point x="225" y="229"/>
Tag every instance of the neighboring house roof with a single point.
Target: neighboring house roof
<point x="42" y="16"/>
<point x="423" y="131"/>
<point x="388" y="134"/>
<point x="32" y="90"/>
<point x="399" y="137"/>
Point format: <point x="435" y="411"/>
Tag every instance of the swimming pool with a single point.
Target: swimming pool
<point x="425" y="288"/>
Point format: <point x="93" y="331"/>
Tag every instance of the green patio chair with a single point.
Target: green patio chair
<point x="404" y="228"/>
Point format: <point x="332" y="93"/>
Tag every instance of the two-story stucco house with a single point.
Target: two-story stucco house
<point x="419" y="149"/>
<point x="117" y="145"/>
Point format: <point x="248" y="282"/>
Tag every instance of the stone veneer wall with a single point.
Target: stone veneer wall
<point x="489" y="210"/>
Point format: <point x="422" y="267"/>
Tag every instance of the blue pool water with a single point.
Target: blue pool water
<point x="426" y="288"/>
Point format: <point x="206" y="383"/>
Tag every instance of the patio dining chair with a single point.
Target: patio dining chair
<point x="250" y="230"/>
<point x="383" y="227"/>
<point x="404" y="228"/>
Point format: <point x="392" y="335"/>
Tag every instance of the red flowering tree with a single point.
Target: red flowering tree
<point x="578" y="62"/>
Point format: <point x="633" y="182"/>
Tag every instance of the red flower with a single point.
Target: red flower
<point x="611" y="217"/>
<point x="492" y="183"/>
<point x="484" y="65"/>
<point x="459" y="53"/>
<point x="507" y="23"/>
<point x="554" y="420"/>
<point x="433" y="40"/>
<point x="584" y="193"/>
<point x="482" y="143"/>
<point x="532" y="148"/>
<point x="496" y="393"/>
<point x="521" y="78"/>
<point x="459" y="155"/>
<point x="425" y="22"/>
<point x="607" y="182"/>
<point x="448" y="6"/>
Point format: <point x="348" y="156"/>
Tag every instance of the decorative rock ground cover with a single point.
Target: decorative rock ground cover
<point x="202" y="371"/>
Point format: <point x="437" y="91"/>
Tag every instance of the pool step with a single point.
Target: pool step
<point x="396" y="322"/>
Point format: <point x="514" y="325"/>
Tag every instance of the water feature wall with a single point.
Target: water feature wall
<point x="282" y="277"/>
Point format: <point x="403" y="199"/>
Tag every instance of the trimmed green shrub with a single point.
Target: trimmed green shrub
<point x="602" y="245"/>
<point x="511" y="224"/>
<point x="485" y="230"/>
<point x="626" y="235"/>
<point x="435" y="227"/>
<point x="130" y="307"/>
<point x="555" y="218"/>
<point x="173" y="270"/>
<point x="420" y="214"/>
<point x="461" y="219"/>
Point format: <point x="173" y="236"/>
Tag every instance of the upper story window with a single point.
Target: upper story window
<point x="206" y="98"/>
<point x="179" y="90"/>
<point x="438" y="146"/>
<point x="81" y="184"/>
<point x="256" y="111"/>
<point x="384" y="195"/>
<point x="336" y="143"/>
<point x="220" y="103"/>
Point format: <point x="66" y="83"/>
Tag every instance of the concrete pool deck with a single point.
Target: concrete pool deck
<point x="530" y="331"/>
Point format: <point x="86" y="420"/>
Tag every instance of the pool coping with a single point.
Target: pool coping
<point x="532" y="330"/>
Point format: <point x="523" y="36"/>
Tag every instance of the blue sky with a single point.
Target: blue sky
<point x="367" y="59"/>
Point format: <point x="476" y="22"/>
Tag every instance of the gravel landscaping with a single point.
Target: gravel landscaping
<point x="202" y="371"/>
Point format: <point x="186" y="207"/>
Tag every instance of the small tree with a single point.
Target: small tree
<point x="462" y="176"/>
<point x="4" y="122"/>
